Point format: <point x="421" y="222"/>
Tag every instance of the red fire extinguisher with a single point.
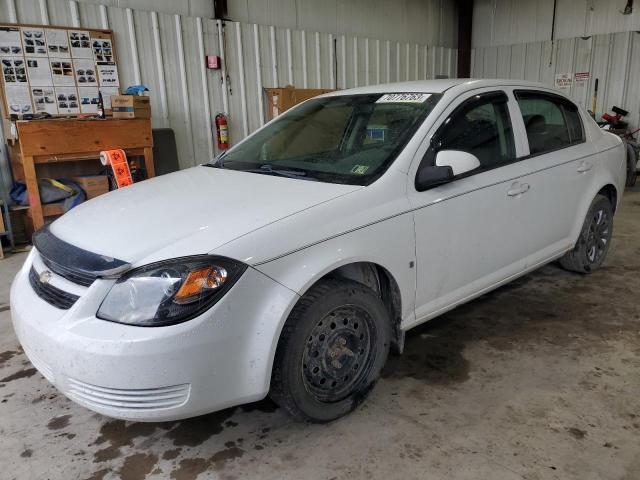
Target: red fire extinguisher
<point x="222" y="131"/>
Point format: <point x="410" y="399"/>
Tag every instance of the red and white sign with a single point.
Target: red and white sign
<point x="581" y="77"/>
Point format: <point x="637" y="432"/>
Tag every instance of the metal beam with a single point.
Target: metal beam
<point x="465" y="21"/>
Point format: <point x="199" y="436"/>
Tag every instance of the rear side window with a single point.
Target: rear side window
<point x="551" y="121"/>
<point x="574" y="122"/>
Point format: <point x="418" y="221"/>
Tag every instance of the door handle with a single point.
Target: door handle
<point x="584" y="166"/>
<point x="518" y="189"/>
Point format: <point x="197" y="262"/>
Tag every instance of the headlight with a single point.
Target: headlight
<point x="169" y="292"/>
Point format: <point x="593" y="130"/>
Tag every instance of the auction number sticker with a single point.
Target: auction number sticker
<point x="403" y="98"/>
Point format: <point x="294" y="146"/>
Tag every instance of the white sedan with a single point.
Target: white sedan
<point x="290" y="265"/>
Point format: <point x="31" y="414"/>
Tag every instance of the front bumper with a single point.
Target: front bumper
<point x="217" y="360"/>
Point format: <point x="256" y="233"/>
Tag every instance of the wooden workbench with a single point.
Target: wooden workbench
<point x="42" y="145"/>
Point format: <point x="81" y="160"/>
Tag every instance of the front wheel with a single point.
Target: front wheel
<point x="331" y="351"/>
<point x="593" y="244"/>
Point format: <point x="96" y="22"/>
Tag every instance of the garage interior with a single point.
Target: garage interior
<point x="535" y="380"/>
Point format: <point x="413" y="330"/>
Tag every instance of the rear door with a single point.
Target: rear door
<point x="560" y="167"/>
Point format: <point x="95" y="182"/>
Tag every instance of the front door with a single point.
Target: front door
<point x="467" y="233"/>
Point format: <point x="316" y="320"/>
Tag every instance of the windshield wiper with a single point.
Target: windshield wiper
<point x="269" y="170"/>
<point x="218" y="162"/>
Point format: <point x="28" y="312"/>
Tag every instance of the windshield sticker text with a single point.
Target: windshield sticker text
<point x="360" y="169"/>
<point x="404" y="98"/>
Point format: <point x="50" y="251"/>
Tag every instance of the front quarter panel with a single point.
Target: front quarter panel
<point x="388" y="243"/>
<point x="372" y="224"/>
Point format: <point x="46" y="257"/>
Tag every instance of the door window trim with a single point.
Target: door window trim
<point x="564" y="103"/>
<point x="428" y="159"/>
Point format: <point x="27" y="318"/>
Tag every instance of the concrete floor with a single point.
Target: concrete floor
<point x="538" y="380"/>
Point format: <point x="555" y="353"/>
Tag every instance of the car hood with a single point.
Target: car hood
<point x="189" y="212"/>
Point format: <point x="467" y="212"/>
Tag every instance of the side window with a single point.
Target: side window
<point x="576" y="132"/>
<point x="480" y="126"/>
<point x="551" y="122"/>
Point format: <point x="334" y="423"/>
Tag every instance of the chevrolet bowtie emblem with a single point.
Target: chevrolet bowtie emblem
<point x="45" y="276"/>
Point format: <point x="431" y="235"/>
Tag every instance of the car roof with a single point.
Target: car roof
<point x="437" y="86"/>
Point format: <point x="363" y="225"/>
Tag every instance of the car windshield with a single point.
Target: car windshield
<point x="350" y="139"/>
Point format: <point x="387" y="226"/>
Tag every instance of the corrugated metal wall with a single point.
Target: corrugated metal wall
<point x="430" y="22"/>
<point x="507" y="22"/>
<point x="166" y="53"/>
<point x="512" y="40"/>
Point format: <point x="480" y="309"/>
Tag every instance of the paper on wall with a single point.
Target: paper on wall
<point x="67" y="100"/>
<point x="57" y="43"/>
<point x="89" y="99"/>
<point x="44" y="100"/>
<point x="108" y="74"/>
<point x="39" y="71"/>
<point x="80" y="44"/>
<point x="85" y="70"/>
<point x="34" y="42"/>
<point x="14" y="71"/>
<point x="18" y="99"/>
<point x="62" y="72"/>
<point x="102" y="49"/>
<point x="10" y="43"/>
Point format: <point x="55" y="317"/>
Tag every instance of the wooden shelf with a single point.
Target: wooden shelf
<point x="51" y="141"/>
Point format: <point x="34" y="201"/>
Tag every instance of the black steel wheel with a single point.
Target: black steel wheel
<point x="331" y="351"/>
<point x="337" y="354"/>
<point x="593" y="244"/>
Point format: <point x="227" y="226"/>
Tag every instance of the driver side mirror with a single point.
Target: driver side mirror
<point x="459" y="161"/>
<point x="431" y="176"/>
<point x="448" y="164"/>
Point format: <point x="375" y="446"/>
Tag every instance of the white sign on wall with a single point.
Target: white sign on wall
<point x="564" y="80"/>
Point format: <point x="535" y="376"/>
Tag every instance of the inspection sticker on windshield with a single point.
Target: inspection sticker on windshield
<point x="360" y="169"/>
<point x="403" y="98"/>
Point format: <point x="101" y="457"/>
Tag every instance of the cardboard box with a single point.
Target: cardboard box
<point x="130" y="106"/>
<point x="93" y="185"/>
<point x="279" y="100"/>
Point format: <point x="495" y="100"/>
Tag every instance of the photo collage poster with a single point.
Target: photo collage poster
<point x="56" y="71"/>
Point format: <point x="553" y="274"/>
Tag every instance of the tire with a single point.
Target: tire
<point x="632" y="169"/>
<point x="594" y="240"/>
<point x="331" y="351"/>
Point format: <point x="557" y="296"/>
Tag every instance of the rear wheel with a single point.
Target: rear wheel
<point x="632" y="168"/>
<point x="331" y="351"/>
<point x="593" y="244"/>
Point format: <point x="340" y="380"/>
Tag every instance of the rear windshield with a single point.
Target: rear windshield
<point x="350" y="139"/>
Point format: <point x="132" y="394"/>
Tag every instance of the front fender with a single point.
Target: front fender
<point x="389" y="243"/>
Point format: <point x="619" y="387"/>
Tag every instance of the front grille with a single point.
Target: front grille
<point x="128" y="399"/>
<point x="75" y="276"/>
<point x="50" y="294"/>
